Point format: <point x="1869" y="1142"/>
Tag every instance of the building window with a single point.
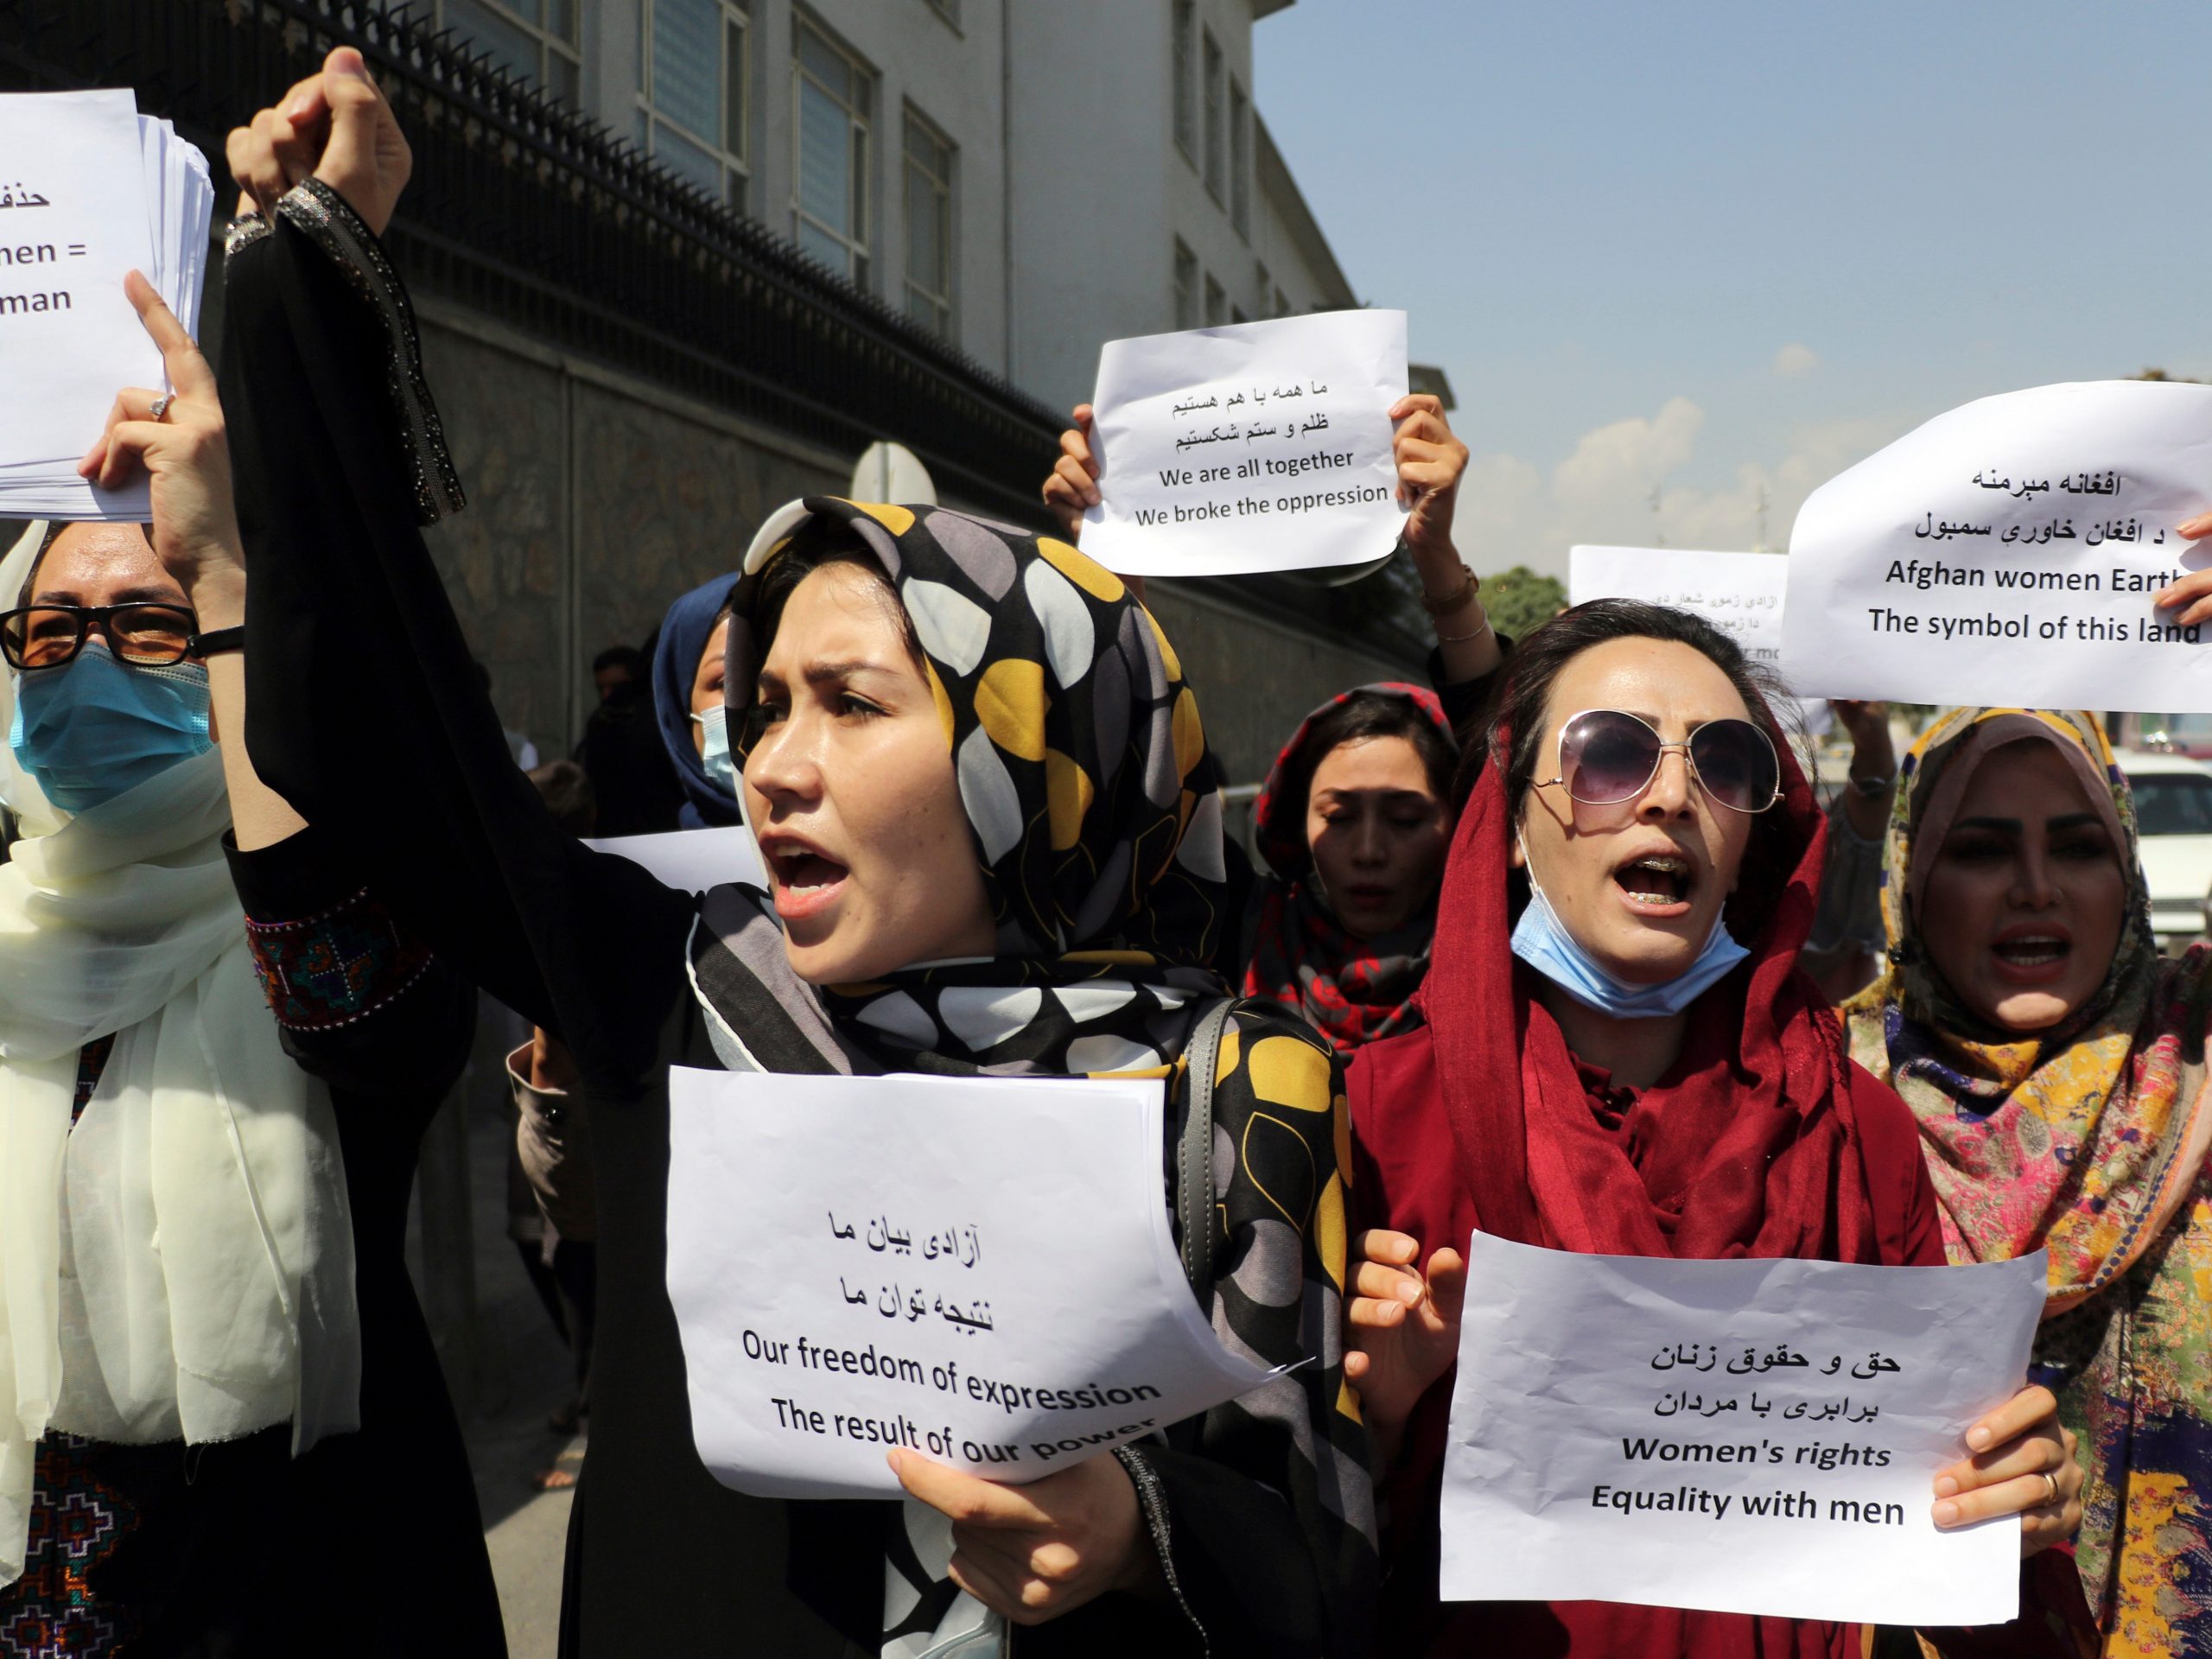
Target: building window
<point x="948" y="10"/>
<point x="929" y="227"/>
<point x="1282" y="303"/>
<point x="1216" y="304"/>
<point x="1237" y="314"/>
<point x="692" y="61"/>
<point x="1186" y="107"/>
<point x="535" y="39"/>
<point x="1260" y="287"/>
<point x="1187" y="287"/>
<point x="1239" y="159"/>
<point x="832" y="99"/>
<point x="1217" y="160"/>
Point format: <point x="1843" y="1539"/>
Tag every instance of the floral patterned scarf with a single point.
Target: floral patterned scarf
<point x="2088" y="1142"/>
<point x="1351" y="990"/>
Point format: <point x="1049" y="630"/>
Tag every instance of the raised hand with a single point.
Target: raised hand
<point x="1402" y="1327"/>
<point x="1072" y="485"/>
<point x="335" y="125"/>
<point x="1431" y="462"/>
<point x="187" y="456"/>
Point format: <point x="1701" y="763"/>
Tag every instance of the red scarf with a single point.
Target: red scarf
<point x="1744" y="1149"/>
<point x="1351" y="990"/>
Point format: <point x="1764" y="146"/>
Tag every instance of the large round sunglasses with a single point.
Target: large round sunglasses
<point x="50" y="636"/>
<point x="1608" y="756"/>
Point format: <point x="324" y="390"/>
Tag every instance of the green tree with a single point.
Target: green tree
<point x="1518" y="600"/>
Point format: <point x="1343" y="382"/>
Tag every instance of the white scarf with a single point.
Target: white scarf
<point x="180" y="1266"/>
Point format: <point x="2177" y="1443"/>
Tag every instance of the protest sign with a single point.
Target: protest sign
<point x="1261" y="445"/>
<point x="90" y="190"/>
<point x="976" y="1268"/>
<point x="2008" y="552"/>
<point x="692" y="860"/>
<point x="1740" y="594"/>
<point x="1744" y="1436"/>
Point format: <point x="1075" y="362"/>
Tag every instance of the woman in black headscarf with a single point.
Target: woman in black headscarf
<point x="966" y="742"/>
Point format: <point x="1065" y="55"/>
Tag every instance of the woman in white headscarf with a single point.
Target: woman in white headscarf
<point x="180" y="1320"/>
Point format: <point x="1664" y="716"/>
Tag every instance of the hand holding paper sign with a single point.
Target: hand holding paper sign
<point x="1035" y="1551"/>
<point x="2195" y="589"/>
<point x="1261" y="445"/>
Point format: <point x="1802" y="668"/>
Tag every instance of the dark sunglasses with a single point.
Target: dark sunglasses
<point x="1606" y="756"/>
<point x="50" y="636"/>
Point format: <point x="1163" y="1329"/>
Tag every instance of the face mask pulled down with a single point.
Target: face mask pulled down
<point x="96" y="729"/>
<point x="1541" y="940"/>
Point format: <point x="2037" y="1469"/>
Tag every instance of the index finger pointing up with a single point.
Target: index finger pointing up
<point x="189" y="369"/>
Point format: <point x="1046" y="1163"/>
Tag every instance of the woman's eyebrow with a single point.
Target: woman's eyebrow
<point x="2070" y="821"/>
<point x="2010" y="826"/>
<point x="827" y="673"/>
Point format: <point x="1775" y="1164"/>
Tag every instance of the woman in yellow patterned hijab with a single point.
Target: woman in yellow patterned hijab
<point x="2055" y="1065"/>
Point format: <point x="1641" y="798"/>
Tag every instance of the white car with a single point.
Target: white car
<point x="2173" y="814"/>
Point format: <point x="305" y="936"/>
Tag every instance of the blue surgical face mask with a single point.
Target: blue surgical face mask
<point x="720" y="767"/>
<point x="1541" y="939"/>
<point x="91" y="730"/>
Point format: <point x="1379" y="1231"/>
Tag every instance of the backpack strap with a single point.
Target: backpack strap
<point x="1194" y="1155"/>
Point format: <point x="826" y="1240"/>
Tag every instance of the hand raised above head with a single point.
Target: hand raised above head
<point x="1072" y="485"/>
<point x="2192" y="594"/>
<point x="335" y="125"/>
<point x="180" y="441"/>
<point x="1431" y="462"/>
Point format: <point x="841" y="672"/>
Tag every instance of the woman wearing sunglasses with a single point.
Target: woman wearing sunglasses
<point x="1621" y="1058"/>
<point x="219" y="1409"/>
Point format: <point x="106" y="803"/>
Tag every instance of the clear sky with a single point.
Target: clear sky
<point x="1717" y="248"/>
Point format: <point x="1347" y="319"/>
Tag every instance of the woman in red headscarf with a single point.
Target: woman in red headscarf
<point x="1621" y="1058"/>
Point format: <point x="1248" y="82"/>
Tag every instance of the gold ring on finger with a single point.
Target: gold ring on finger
<point x="2051" y="1493"/>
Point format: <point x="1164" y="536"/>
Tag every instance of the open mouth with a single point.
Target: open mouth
<point x="1658" y="881"/>
<point x="2032" y="952"/>
<point x="805" y="879"/>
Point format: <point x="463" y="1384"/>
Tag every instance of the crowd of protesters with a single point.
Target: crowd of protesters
<point x="1525" y="949"/>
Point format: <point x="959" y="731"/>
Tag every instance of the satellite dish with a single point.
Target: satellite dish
<point x="892" y="472"/>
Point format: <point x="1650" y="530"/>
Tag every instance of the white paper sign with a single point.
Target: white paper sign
<point x="73" y="219"/>
<point x="1740" y="594"/>
<point x="692" y="860"/>
<point x="1261" y="445"/>
<point x="2006" y="552"/>
<point x="976" y="1268"/>
<point x="1743" y="1437"/>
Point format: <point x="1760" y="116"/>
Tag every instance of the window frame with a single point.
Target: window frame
<point x="735" y="158"/>
<point x="913" y="122"/>
<point x="1185" y="289"/>
<point x="550" y="44"/>
<point x="1182" y="67"/>
<point x="1239" y="158"/>
<point x="1215" y="73"/>
<point x="859" y="245"/>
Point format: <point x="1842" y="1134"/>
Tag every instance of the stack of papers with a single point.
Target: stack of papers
<point x="93" y="190"/>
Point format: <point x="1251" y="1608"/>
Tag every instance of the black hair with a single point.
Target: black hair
<point x="820" y="543"/>
<point x="1361" y="716"/>
<point x="628" y="657"/>
<point x="1519" y="700"/>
